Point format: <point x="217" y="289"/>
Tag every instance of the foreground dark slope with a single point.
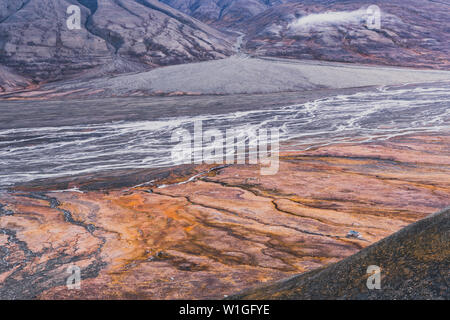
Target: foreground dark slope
<point x="116" y="36"/>
<point x="414" y="264"/>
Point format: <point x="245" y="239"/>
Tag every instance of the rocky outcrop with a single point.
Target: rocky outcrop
<point x="116" y="36"/>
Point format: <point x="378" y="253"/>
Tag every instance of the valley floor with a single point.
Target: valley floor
<point x="224" y="231"/>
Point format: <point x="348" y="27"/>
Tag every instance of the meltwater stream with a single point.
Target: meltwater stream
<point x="35" y="151"/>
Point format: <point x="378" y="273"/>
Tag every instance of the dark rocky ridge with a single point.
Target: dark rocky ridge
<point x="414" y="265"/>
<point x="117" y="36"/>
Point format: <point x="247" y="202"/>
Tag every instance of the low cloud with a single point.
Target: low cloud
<point x="329" y="18"/>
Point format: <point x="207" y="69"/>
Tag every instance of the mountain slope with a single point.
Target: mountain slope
<point x="414" y="265"/>
<point x="414" y="33"/>
<point x="222" y="12"/>
<point x="10" y="80"/>
<point x="116" y="36"/>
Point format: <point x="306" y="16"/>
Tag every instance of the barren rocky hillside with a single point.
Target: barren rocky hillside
<point x="413" y="33"/>
<point x="116" y="36"/>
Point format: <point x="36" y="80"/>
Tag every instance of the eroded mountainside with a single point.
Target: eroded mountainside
<point x="412" y="33"/>
<point x="116" y="36"/>
<point x="119" y="36"/>
<point x="222" y="12"/>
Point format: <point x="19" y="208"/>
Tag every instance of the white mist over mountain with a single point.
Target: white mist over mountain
<point x="329" y="18"/>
